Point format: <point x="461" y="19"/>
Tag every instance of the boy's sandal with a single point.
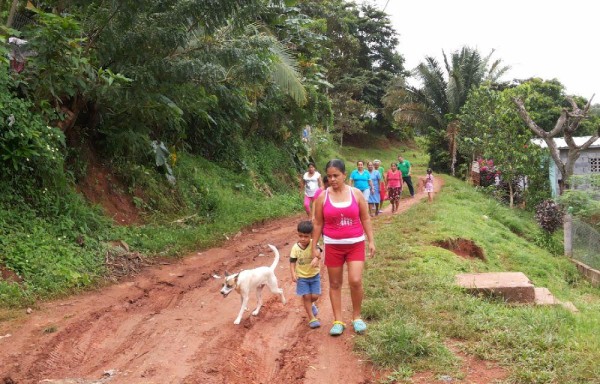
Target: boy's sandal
<point x="359" y="326"/>
<point x="315" y="310"/>
<point x="337" y="329"/>
<point x="314" y="323"/>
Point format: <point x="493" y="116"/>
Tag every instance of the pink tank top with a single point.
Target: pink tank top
<point x="393" y="179"/>
<point x="342" y="223"/>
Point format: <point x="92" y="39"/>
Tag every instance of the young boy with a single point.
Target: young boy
<point x="307" y="277"/>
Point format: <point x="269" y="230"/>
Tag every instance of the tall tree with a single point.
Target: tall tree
<point x="443" y="91"/>
<point x="567" y="124"/>
<point x="491" y="128"/>
<point x="360" y="59"/>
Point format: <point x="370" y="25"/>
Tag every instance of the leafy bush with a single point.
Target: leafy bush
<point x="549" y="215"/>
<point x="27" y="145"/>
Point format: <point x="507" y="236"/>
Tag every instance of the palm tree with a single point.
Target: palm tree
<point x="437" y="102"/>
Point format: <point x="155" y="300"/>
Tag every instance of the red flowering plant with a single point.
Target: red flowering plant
<point x="487" y="172"/>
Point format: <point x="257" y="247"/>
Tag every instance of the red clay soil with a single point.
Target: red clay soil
<point x="102" y="188"/>
<point x="463" y="247"/>
<point x="169" y="324"/>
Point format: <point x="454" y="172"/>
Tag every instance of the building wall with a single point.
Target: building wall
<point x="586" y="163"/>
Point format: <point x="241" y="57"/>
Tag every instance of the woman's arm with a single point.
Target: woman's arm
<point x="365" y="219"/>
<point x="317" y="226"/>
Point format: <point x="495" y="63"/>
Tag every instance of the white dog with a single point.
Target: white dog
<point x="247" y="280"/>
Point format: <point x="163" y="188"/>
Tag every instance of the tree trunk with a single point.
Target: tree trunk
<point x="11" y="14"/>
<point x="511" y="194"/>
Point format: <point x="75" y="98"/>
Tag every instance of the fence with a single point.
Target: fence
<point x="585" y="243"/>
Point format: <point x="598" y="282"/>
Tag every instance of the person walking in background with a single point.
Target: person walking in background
<point x="405" y="167"/>
<point x="429" y="184"/>
<point x="360" y="178"/>
<point x="306" y="276"/>
<point x="382" y="190"/>
<point x="342" y="217"/>
<point x="375" y="196"/>
<point x="311" y="181"/>
<point x="393" y="182"/>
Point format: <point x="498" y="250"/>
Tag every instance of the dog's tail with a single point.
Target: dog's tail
<point x="276" y="252"/>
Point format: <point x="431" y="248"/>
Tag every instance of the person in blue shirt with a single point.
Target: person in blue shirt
<point x="375" y="197"/>
<point x="360" y="178"/>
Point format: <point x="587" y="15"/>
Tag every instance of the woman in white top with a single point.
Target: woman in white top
<point x="310" y="183"/>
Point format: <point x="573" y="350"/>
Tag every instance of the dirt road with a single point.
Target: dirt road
<point x="169" y="324"/>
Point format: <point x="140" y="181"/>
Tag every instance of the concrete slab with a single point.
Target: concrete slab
<point x="513" y="287"/>
<point x="543" y="296"/>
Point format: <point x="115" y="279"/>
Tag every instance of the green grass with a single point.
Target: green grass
<point x="414" y="307"/>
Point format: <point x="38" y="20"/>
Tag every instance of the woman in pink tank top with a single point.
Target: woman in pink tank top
<point x="342" y="217"/>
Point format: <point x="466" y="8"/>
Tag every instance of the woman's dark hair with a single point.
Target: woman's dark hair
<point x="305" y="227"/>
<point x="336" y="163"/>
<point x="360" y="161"/>
<point x="311" y="163"/>
<point x="429" y="170"/>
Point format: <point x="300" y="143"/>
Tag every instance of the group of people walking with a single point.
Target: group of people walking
<point x="340" y="211"/>
<point x="374" y="182"/>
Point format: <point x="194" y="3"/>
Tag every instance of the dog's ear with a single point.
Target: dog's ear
<point x="226" y="273"/>
<point x="236" y="277"/>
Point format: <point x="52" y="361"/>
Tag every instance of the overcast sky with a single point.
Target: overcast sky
<point x="548" y="39"/>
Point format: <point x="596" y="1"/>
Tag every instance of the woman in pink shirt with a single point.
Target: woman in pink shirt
<point x="342" y="217"/>
<point x="393" y="182"/>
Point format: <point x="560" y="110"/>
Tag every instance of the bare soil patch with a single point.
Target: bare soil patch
<point x="103" y="188"/>
<point x="9" y="275"/>
<point x="463" y="248"/>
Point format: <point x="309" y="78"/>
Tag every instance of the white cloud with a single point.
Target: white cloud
<point x="547" y="39"/>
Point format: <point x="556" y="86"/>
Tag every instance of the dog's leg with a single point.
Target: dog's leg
<point x="258" y="300"/>
<point x="272" y="283"/>
<point x="242" y="309"/>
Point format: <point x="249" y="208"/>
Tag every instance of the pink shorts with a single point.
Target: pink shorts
<point x="337" y="254"/>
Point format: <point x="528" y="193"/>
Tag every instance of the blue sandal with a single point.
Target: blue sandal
<point x="315" y="310"/>
<point x="337" y="329"/>
<point x="314" y="323"/>
<point x="359" y="326"/>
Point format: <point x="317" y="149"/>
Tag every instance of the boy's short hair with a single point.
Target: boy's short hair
<point x="305" y="226"/>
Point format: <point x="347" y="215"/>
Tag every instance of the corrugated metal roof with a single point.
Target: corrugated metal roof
<point x="562" y="144"/>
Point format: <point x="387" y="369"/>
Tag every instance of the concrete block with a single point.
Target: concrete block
<point x="513" y="287"/>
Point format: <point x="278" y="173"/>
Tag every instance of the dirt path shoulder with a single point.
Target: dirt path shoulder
<point x="169" y="324"/>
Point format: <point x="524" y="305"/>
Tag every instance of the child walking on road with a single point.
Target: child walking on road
<point x="306" y="275"/>
<point x="429" y="184"/>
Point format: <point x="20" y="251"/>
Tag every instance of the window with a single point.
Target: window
<point x="594" y="164"/>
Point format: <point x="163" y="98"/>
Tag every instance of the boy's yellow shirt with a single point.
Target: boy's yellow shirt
<point x="303" y="258"/>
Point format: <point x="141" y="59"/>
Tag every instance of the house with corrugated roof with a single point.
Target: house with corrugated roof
<point x="588" y="162"/>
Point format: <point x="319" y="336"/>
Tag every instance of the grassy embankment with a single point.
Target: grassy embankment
<point x="55" y="244"/>
<point x="414" y="308"/>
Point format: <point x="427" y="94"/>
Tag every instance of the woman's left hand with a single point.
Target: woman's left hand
<point x="371" y="249"/>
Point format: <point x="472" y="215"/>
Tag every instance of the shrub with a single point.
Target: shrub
<point x="549" y="215"/>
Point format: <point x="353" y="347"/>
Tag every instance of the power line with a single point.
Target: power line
<point x="385" y="6"/>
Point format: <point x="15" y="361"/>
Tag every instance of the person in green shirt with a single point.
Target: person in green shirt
<point x="404" y="167"/>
